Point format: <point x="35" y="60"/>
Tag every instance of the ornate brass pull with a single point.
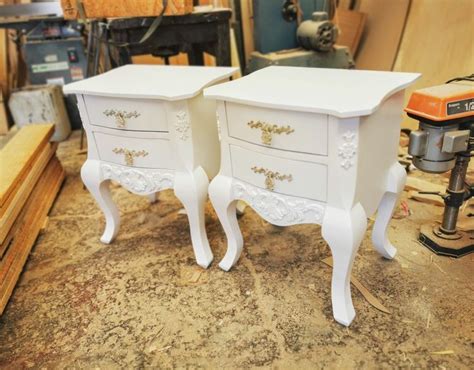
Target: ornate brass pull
<point x="130" y="154"/>
<point x="121" y="116"/>
<point x="269" y="129"/>
<point x="271" y="176"/>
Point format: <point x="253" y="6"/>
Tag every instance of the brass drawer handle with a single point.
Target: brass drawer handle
<point x="121" y="116"/>
<point x="271" y="176"/>
<point x="269" y="129"/>
<point x="130" y="154"/>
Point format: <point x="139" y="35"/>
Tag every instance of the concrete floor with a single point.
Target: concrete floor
<point x="142" y="301"/>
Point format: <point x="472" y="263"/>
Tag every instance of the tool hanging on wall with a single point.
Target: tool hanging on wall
<point x="445" y="142"/>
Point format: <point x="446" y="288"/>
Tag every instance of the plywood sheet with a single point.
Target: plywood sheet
<point x="438" y="42"/>
<point x="18" y="154"/>
<point x="351" y="25"/>
<point x="383" y="30"/>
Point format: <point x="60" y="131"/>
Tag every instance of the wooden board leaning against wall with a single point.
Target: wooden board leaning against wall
<point x="438" y="42"/>
<point x="12" y="73"/>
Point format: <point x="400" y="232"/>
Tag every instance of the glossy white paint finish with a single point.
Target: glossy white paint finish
<point x="152" y="113"/>
<point x="309" y="135"/>
<point x="338" y="92"/>
<point x="159" y="149"/>
<point x="342" y="172"/>
<point x="168" y="83"/>
<point x="168" y="129"/>
<point x="311" y="187"/>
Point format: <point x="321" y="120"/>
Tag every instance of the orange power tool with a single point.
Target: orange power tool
<point x="445" y="142"/>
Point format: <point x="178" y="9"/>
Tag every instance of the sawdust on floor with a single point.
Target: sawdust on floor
<point x="143" y="302"/>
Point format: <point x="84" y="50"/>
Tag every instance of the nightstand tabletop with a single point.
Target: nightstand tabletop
<point x="151" y="81"/>
<point x="338" y="92"/>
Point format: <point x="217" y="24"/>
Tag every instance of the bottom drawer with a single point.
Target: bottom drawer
<point x="135" y="152"/>
<point x="285" y="176"/>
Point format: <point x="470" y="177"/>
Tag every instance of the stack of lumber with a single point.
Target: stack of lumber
<point x="30" y="179"/>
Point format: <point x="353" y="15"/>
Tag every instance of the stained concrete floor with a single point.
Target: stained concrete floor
<point x="143" y="303"/>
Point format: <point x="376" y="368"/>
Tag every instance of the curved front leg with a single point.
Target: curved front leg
<point x="395" y="184"/>
<point x="220" y="192"/>
<point x="92" y="178"/>
<point x="191" y="190"/>
<point x="343" y="230"/>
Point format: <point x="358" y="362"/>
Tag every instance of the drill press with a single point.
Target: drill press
<point x="445" y="142"/>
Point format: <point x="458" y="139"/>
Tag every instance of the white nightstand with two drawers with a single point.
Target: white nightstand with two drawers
<point x="308" y="145"/>
<point x="149" y="129"/>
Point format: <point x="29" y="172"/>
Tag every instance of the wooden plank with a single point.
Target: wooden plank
<point x="381" y="37"/>
<point x="17" y="155"/>
<point x="3" y="115"/>
<point x="419" y="184"/>
<point x="35" y="213"/>
<point x="125" y="8"/>
<point x="351" y="25"/>
<point x="4" y="86"/>
<point x="438" y="42"/>
<point x="15" y="202"/>
<point x="234" y="55"/>
<point x="34" y="168"/>
<point x="247" y="27"/>
<point x="13" y="67"/>
<point x="415" y="184"/>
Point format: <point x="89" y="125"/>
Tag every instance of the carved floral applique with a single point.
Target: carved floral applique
<point x="279" y="209"/>
<point x="347" y="150"/>
<point x="138" y="181"/>
<point x="182" y="125"/>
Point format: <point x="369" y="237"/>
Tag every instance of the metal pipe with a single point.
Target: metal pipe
<point x="456" y="186"/>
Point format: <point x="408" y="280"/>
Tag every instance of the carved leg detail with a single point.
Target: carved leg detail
<point x="343" y="230"/>
<point x="91" y="176"/>
<point x="395" y="183"/>
<point x="220" y="192"/>
<point x="191" y="190"/>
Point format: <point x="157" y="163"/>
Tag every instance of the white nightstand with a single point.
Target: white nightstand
<point x="308" y="145"/>
<point x="149" y="129"/>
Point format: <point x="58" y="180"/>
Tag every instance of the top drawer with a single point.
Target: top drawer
<point x="280" y="129"/>
<point x="126" y="114"/>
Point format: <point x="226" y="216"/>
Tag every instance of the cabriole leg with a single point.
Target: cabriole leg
<point x="343" y="230"/>
<point x="395" y="183"/>
<point x="191" y="190"/>
<point x="220" y="192"/>
<point x="92" y="178"/>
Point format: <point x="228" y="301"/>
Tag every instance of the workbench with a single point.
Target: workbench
<point x="193" y="34"/>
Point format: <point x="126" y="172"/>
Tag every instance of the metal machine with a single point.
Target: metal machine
<point x="445" y="142"/>
<point x="318" y="34"/>
<point x="53" y="48"/>
<point x="282" y="26"/>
